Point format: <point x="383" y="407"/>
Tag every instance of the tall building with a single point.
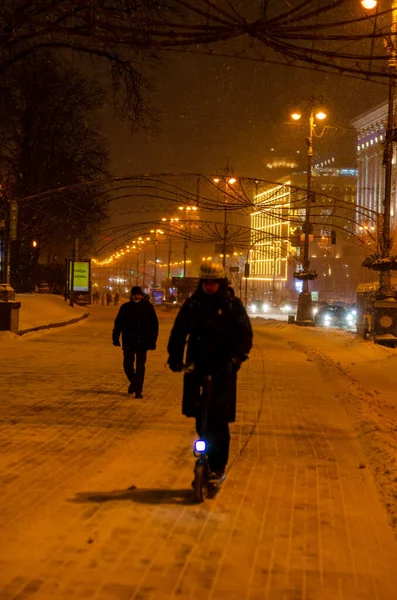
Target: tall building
<point x="370" y="128"/>
<point x="277" y="237"/>
<point x="270" y="240"/>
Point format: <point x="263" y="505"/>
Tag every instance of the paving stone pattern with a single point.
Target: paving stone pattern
<point x="95" y="500"/>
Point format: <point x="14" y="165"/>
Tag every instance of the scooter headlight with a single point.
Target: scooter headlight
<point x="200" y="446"/>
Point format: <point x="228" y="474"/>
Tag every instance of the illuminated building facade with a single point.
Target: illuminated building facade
<point x="270" y="240"/>
<point x="370" y="128"/>
<point x="277" y="239"/>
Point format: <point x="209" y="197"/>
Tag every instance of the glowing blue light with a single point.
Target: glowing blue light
<point x="200" y="446"/>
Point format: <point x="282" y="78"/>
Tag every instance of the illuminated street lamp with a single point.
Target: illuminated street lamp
<point x="229" y="181"/>
<point x="170" y="222"/>
<point x="369" y="4"/>
<point x="304" y="312"/>
<point x="161" y="232"/>
<point x="188" y="210"/>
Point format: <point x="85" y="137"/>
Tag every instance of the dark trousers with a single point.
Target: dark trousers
<point x="217" y="437"/>
<point x="134" y="368"/>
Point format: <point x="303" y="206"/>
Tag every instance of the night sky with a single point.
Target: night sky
<point x="212" y="109"/>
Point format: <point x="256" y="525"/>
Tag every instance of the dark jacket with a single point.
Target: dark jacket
<point x="217" y="329"/>
<point x="138" y="324"/>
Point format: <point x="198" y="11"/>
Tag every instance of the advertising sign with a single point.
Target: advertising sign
<point x="81" y="276"/>
<point x="314" y="296"/>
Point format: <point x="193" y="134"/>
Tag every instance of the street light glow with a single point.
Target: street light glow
<point x="296" y="116"/>
<point x="369" y="4"/>
<point x="232" y="180"/>
<point x="321" y="115"/>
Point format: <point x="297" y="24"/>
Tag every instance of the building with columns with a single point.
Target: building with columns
<point x="370" y="128"/>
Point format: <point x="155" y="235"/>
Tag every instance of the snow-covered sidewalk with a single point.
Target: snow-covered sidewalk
<point x="42" y="311"/>
<point x="363" y="377"/>
<point x="96" y="501"/>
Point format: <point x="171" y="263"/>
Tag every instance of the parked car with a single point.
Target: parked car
<point x="334" y="316"/>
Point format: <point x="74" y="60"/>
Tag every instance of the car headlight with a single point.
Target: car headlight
<point x="354" y="312"/>
<point x="253" y="308"/>
<point x="287" y="308"/>
<point x="315" y="311"/>
<point x="349" y="318"/>
<point x="265" y="307"/>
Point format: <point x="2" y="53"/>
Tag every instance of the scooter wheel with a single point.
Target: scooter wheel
<point x="200" y="487"/>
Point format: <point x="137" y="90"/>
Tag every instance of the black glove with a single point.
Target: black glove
<point x="237" y="361"/>
<point x="116" y="342"/>
<point x="174" y="365"/>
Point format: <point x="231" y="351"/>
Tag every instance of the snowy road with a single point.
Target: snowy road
<point x="95" y="498"/>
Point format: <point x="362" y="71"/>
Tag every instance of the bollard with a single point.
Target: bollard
<point x="9" y="316"/>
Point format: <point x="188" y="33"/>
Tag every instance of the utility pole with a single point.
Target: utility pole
<point x="169" y="256"/>
<point x="155" y="264"/>
<point x="144" y="270"/>
<point x="386" y="241"/>
<point x="71" y="290"/>
<point x="304" y="313"/>
<point x="225" y="230"/>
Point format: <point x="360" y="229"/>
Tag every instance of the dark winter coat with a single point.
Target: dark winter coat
<point x="217" y="329"/>
<point x="138" y="324"/>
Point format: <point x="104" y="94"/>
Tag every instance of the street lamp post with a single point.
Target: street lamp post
<point x="187" y="210"/>
<point x="386" y="241"/>
<point x="228" y="183"/>
<point x="304" y="312"/>
<point x="155" y="231"/>
<point x="169" y="275"/>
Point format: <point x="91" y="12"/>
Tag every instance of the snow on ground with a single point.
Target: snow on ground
<point x="39" y="310"/>
<point x="363" y="376"/>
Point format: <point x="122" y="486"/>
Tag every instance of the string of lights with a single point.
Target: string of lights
<point x="340" y="35"/>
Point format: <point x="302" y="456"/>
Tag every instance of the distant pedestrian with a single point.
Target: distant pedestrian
<point x="116" y="299"/>
<point x="103" y="298"/>
<point x="138" y="325"/>
<point x="108" y="298"/>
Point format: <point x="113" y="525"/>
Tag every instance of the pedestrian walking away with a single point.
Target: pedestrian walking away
<point x="138" y="326"/>
<point x="219" y="338"/>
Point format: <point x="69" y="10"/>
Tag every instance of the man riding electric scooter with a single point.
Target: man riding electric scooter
<point x="219" y="337"/>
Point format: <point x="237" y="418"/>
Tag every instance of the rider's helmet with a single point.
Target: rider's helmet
<point x="212" y="270"/>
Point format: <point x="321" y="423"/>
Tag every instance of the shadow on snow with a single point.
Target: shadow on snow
<point x="140" y="496"/>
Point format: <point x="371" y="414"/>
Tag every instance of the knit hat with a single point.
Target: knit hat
<point x="136" y="290"/>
